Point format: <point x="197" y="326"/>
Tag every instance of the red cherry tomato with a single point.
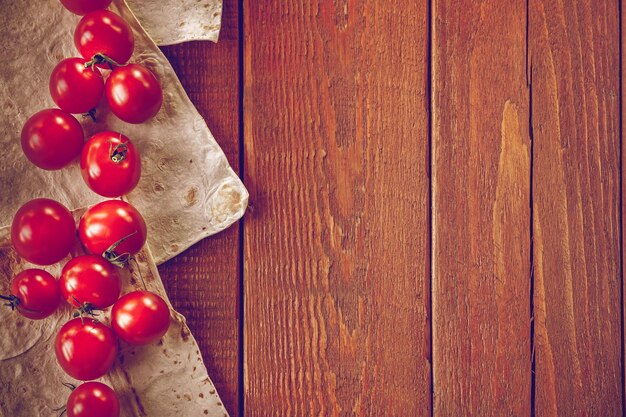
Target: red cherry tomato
<point x="34" y="293"/>
<point x="133" y="93"/>
<point x="140" y="317"/>
<point x="52" y="138"/>
<point x="110" y="164"/>
<point x="43" y="231"/>
<point x="93" y="399"/>
<point x="113" y="229"/>
<point x="104" y="35"/>
<point x="85" y="348"/>
<point x="82" y="7"/>
<point x="74" y="88"/>
<point x="90" y="281"/>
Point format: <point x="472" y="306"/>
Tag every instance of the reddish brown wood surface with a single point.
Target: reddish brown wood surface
<point x="336" y="259"/>
<point x="337" y="283"/>
<point x="481" y="209"/>
<point x="203" y="282"/>
<point x="576" y="200"/>
<point x="622" y="92"/>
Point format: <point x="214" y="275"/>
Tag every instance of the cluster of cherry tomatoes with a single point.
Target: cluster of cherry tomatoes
<point x="52" y="138"/>
<point x="44" y="232"/>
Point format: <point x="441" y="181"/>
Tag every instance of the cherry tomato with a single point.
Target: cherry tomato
<point x="133" y="93"/>
<point x="104" y="35"/>
<point x="82" y="7"/>
<point x="34" y="294"/>
<point x="85" y="348"/>
<point x="140" y="317"/>
<point x="110" y="164"/>
<point x="43" y="231"/>
<point x="90" y="281"/>
<point x="113" y="229"/>
<point x="52" y="138"/>
<point x="93" y="399"/>
<point x="74" y="88"/>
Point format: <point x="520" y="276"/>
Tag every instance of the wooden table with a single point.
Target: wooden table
<point x="436" y="212"/>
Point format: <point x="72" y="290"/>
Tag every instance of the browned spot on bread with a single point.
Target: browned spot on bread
<point x="192" y="196"/>
<point x="158" y="188"/>
<point x="184" y="334"/>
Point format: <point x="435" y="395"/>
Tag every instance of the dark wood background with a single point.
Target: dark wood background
<point x="436" y="208"/>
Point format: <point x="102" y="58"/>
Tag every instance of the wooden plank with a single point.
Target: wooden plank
<point x="623" y="190"/>
<point x="576" y="199"/>
<point x="336" y="249"/>
<point x="203" y="282"/>
<point x="481" y="209"/>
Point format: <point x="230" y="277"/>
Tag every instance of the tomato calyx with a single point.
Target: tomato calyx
<point x="15" y="303"/>
<point x="120" y="260"/>
<point x="86" y="309"/>
<point x="63" y="408"/>
<point x="91" y="113"/>
<point x="101" y="58"/>
<point x="72" y="387"/>
<point x="118" y="154"/>
<point x="11" y="301"/>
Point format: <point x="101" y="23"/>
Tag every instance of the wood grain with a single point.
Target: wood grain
<point x="203" y="282"/>
<point x="481" y="209"/>
<point x="576" y="188"/>
<point x="622" y="93"/>
<point x="336" y="254"/>
<point x="336" y="250"/>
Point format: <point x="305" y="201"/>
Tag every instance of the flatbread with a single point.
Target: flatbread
<point x="174" y="21"/>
